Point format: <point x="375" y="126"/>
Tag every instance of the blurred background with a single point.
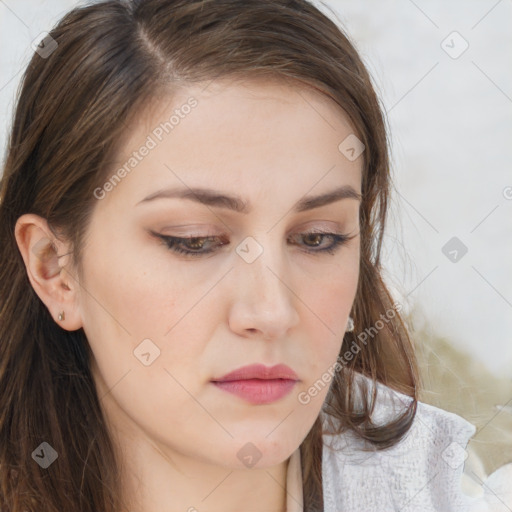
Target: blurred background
<point x="440" y="69"/>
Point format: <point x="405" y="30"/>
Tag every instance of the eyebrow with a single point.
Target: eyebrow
<point x="220" y="199"/>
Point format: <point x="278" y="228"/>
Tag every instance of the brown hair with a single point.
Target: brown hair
<point x="73" y="109"/>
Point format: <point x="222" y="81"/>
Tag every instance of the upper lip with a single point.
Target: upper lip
<point x="260" y="371"/>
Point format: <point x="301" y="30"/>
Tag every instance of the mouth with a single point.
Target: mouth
<point x="258" y="384"/>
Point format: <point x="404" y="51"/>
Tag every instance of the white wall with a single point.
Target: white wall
<point x="451" y="128"/>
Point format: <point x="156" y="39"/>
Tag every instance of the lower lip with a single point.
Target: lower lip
<point x="258" y="391"/>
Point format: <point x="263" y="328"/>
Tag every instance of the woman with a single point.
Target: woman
<point x="192" y="310"/>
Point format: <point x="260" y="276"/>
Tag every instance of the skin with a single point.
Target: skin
<point x="176" y="433"/>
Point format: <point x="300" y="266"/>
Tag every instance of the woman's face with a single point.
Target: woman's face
<point x="162" y="324"/>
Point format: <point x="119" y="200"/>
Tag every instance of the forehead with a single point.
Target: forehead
<point x="243" y="135"/>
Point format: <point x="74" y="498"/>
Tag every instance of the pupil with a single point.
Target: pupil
<point x="312" y="237"/>
<point x="195" y="244"/>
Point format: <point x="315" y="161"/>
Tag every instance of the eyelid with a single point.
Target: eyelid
<point x="188" y="230"/>
<point x="207" y="231"/>
<point x="183" y="230"/>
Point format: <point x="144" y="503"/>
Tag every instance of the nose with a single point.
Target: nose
<point x="265" y="302"/>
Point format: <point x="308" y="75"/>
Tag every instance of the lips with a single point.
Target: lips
<point x="260" y="371"/>
<point x="258" y="384"/>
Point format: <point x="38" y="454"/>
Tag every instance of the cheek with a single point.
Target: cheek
<point x="132" y="294"/>
<point x="137" y="304"/>
<point x="326" y="308"/>
<point x="332" y="296"/>
<point x="141" y="331"/>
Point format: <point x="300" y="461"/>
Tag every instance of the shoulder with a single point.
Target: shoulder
<point x="422" y="472"/>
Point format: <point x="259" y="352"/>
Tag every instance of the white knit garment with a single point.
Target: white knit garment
<point x="421" y="473"/>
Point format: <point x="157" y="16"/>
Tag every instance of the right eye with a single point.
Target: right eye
<point x="190" y="246"/>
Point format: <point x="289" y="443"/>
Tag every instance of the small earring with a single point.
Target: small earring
<point x="350" y="324"/>
<point x="62" y="316"/>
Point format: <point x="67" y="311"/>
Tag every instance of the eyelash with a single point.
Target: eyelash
<point x="172" y="243"/>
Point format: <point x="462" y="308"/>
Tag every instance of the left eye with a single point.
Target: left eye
<point x="195" y="246"/>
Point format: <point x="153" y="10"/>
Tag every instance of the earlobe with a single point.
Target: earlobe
<point x="47" y="261"/>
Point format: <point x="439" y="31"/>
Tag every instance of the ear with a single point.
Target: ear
<point x="49" y="269"/>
